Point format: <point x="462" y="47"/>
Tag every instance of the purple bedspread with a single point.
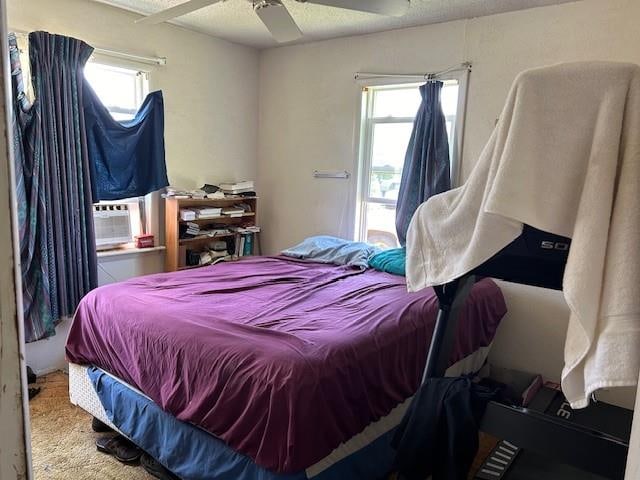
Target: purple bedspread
<point x="282" y="359"/>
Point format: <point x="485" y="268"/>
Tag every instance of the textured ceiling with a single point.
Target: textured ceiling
<point x="234" y="20"/>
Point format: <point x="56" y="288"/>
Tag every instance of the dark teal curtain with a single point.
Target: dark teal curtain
<point x="426" y="170"/>
<point x="57" y="245"/>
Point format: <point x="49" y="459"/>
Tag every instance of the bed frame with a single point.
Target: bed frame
<point x="535" y="258"/>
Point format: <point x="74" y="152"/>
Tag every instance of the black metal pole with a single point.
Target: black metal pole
<point x="451" y="298"/>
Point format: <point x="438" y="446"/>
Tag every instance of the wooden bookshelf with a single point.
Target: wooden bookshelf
<point x="176" y="257"/>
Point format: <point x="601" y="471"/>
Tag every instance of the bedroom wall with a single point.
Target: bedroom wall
<point x="309" y="106"/>
<point x="203" y="77"/>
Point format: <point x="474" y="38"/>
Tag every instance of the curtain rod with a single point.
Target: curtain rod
<point x="424" y="76"/>
<point x="116" y="54"/>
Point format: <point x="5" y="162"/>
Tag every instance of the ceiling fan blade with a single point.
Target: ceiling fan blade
<point x="177" y="11"/>
<point x="392" y="8"/>
<point x="278" y="21"/>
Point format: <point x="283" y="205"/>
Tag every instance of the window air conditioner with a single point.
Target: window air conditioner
<point x="112" y="224"/>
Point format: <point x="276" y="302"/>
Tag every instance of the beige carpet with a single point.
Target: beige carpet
<point x="63" y="443"/>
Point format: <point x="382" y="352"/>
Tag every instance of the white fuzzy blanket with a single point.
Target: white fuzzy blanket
<point x="564" y="158"/>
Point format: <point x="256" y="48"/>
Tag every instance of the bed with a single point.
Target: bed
<point x="267" y="368"/>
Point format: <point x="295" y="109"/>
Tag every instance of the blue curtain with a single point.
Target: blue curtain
<point x="128" y="158"/>
<point x="70" y="153"/>
<point x="57" y="246"/>
<point x="426" y="170"/>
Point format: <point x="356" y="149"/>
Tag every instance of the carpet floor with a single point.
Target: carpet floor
<point x="63" y="443"/>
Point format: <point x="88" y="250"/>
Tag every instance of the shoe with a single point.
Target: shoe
<point x="33" y="391"/>
<point x="100" y="427"/>
<point x="153" y="467"/>
<point x="122" y="449"/>
<point x="31" y="376"/>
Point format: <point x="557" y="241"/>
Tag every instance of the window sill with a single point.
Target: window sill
<point x="129" y="251"/>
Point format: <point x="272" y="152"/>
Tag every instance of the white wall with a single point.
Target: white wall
<point x="309" y="106"/>
<point x="210" y="86"/>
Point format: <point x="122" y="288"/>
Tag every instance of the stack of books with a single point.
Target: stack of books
<point x="187" y="214"/>
<point x="174" y="192"/>
<point x="217" y="194"/>
<point x="234" y="211"/>
<point x="193" y="229"/>
<point x="197" y="194"/>
<point x="208" y="212"/>
<point x="235" y="188"/>
<point x="214" y="232"/>
<point x="248" y="229"/>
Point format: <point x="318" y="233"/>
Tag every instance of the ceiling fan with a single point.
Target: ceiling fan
<point x="276" y="17"/>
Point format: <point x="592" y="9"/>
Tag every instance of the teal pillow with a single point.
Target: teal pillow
<point x="390" y="261"/>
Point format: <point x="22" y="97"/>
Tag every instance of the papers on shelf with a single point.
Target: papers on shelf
<point x="198" y="194"/>
<point x="248" y="229"/>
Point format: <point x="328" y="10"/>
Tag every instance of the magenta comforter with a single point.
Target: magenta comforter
<point x="282" y="359"/>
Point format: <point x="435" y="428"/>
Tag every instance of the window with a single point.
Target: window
<point x="387" y="122"/>
<point x="122" y="91"/>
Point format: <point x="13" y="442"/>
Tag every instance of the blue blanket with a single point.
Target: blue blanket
<point x="327" y="249"/>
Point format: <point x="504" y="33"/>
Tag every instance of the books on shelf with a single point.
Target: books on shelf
<point x="236" y="188"/>
<point x="247" y="246"/>
<point x="196" y="231"/>
<point x="233" y="211"/>
<point x="190" y="230"/>
<point x="242" y="185"/>
<point x="198" y="194"/>
<point x="244" y="243"/>
<point x="202" y="231"/>
<point x="218" y="231"/>
<point x="216" y="195"/>
<point x="187" y="214"/>
<point x="237" y="210"/>
<point x="226" y="190"/>
<point x="248" y="229"/>
<point x="179" y="193"/>
<point x="208" y="212"/>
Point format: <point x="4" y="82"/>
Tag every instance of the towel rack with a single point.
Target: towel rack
<point x="331" y="174"/>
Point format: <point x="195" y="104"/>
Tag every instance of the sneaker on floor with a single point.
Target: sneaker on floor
<point x="99" y="426"/>
<point x="122" y="449"/>
<point x="33" y="391"/>
<point x="153" y="467"/>
<point x="31" y="376"/>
